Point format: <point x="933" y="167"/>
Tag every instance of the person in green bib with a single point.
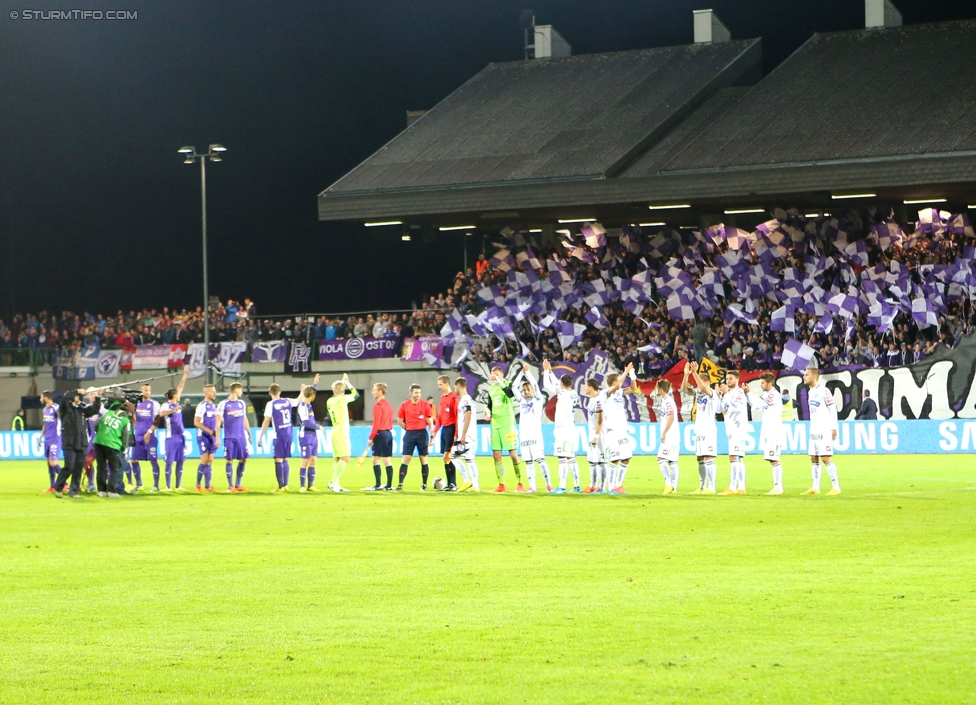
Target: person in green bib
<point x="501" y="415"/>
<point x="111" y="439"/>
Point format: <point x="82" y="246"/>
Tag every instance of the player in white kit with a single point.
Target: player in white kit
<point x="707" y="407"/>
<point x="771" y="438"/>
<point x="734" y="410"/>
<point x="467" y="437"/>
<point x="620" y="445"/>
<point x="531" y="407"/>
<point x="823" y="431"/>
<point x="565" y="431"/>
<point x="596" y="432"/>
<point x="670" y="437"/>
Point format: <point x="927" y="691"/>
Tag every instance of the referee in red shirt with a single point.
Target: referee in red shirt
<point x="447" y="423"/>
<point x="381" y="439"/>
<point x="416" y="418"/>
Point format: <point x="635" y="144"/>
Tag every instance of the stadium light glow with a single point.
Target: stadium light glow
<point x="839" y="196"/>
<point x="913" y="201"/>
<point x="457" y="227"/>
<point x="651" y="225"/>
<point x="577" y="220"/>
<point x="405" y="238"/>
<point x="535" y="230"/>
<point x="811" y="215"/>
<point x="736" y="211"/>
<point x="670" y="205"/>
<point x="185" y="150"/>
<point x="382" y="223"/>
<point x="218" y="148"/>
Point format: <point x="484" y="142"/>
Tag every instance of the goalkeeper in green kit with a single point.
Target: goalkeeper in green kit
<point x="501" y="414"/>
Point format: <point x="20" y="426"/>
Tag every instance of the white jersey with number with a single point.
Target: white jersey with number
<point x="530" y="420"/>
<point x="823" y="420"/>
<point x="734" y="411"/>
<point x="706" y="428"/>
<point x="673" y="435"/>
<point x="566" y="402"/>
<point x="618" y="443"/>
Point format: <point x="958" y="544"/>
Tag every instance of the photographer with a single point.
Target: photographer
<point x="74" y="438"/>
<point x="111" y="439"/>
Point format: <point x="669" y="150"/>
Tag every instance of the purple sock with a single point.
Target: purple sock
<point x="200" y="468"/>
<point x="179" y="475"/>
<point x="230" y="474"/>
<point x="207" y="475"/>
<point x="301" y="476"/>
<point x="311" y="475"/>
<point x="52" y="473"/>
<point x="155" y="472"/>
<point x="137" y="474"/>
<point x="285" y="473"/>
<point x="278" y="473"/>
<point x="240" y="473"/>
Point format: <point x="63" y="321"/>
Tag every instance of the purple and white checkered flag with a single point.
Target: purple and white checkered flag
<point x="783" y="319"/>
<point x="502" y="260"/>
<point x="797" y="355"/>
<point x="959" y="225"/>
<point x="825" y="324"/>
<point x="451" y="330"/>
<point x="842" y="305"/>
<point x="596" y="318"/>
<point x="492" y="295"/>
<point x="569" y="333"/>
<point x="924" y="314"/>
<point x="734" y="312"/>
<point x="595" y="235"/>
<point x="680" y="307"/>
<point x="528" y="260"/>
<point x="931" y="221"/>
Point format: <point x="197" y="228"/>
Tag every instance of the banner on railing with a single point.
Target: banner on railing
<point x="854" y="438"/>
<point x="78" y="364"/>
<point x="273" y="351"/>
<point x="357" y="348"/>
<point x="415" y="349"/>
<point x="226" y="357"/>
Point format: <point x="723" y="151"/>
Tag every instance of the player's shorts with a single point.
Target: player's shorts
<point x="175" y="449"/>
<point x="532" y="449"/>
<point x="594" y="453"/>
<point x="468" y="449"/>
<point x="206" y="443"/>
<point x="52" y="451"/>
<point x="771" y="448"/>
<point x="706" y="444"/>
<point x="340" y="445"/>
<point x="669" y="452"/>
<point x="504" y="439"/>
<point x="737" y="446"/>
<point x="617" y="446"/>
<point x="144" y="451"/>
<point x="820" y="444"/>
<point x="565" y="442"/>
<point x="282" y="444"/>
<point x="235" y="449"/>
<point x="308" y="444"/>
<point x="383" y="444"/>
<point x="448" y="434"/>
<point x="416" y="440"/>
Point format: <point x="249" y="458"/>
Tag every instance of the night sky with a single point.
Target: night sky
<point x="97" y="211"/>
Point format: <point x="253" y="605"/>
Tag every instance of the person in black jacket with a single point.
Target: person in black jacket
<point x="74" y="438"/>
<point x="868" y="410"/>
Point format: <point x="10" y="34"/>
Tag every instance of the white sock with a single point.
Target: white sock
<point x="601" y="472"/>
<point x="473" y="473"/>
<point x="544" y="469"/>
<point x="665" y="470"/>
<point x="460" y="465"/>
<point x="777" y="477"/>
<point x="613" y="472"/>
<point x="832" y="472"/>
<point x="702" y="475"/>
<point x="530" y="474"/>
<point x="674" y="475"/>
<point x="563" y="472"/>
<point x="622" y="472"/>
<point x="574" y="468"/>
<point x="815" y="472"/>
<point x="710" y="473"/>
<point x="742" y="476"/>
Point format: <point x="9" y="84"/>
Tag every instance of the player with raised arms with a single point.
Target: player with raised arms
<point x="734" y="412"/>
<point x="500" y="413"/>
<point x="619" y="445"/>
<point x="175" y="445"/>
<point x="467" y="444"/>
<point x="595" y="426"/>
<point x="205" y="421"/>
<point x="769" y="401"/>
<point x="146" y="446"/>
<point x="823" y="431"/>
<point x="707" y="406"/>
<point x="565" y="429"/>
<point x="232" y="417"/>
<point x="343" y="394"/>
<point x="531" y="407"/>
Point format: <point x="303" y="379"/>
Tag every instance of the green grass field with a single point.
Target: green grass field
<point x="429" y="598"/>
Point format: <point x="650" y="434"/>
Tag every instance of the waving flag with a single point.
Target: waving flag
<point x="783" y="319"/>
<point x="734" y="313"/>
<point x="923" y="312"/>
<point x="680" y="308"/>
<point x="595" y="235"/>
<point x="797" y="355"/>
<point x="569" y="333"/>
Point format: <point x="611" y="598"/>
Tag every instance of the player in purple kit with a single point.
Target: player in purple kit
<point x="172" y="414"/>
<point x="52" y="438"/>
<point x="145" y="436"/>
<point x="278" y="413"/>
<point x="308" y="442"/>
<point x="205" y="421"/>
<point x="232" y="417"/>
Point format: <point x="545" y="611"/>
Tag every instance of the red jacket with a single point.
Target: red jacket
<point x="447" y="416"/>
<point x="382" y="417"/>
<point x="415" y="416"/>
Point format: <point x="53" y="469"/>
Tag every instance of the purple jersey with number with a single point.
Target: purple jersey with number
<point x="207" y="413"/>
<point x="174" y="422"/>
<point x="232" y="412"/>
<point x="52" y="425"/>
<point x="280" y="411"/>
<point x="146" y="413"/>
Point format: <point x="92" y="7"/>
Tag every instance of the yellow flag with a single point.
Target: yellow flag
<point x="714" y="372"/>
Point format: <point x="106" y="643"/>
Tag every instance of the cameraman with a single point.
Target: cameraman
<point x="111" y="439"/>
<point x="74" y="438"/>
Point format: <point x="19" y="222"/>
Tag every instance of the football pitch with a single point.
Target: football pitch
<point x="437" y="598"/>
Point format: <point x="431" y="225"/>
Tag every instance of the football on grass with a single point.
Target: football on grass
<point x="439" y="483"/>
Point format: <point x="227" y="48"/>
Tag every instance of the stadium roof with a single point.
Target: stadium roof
<point x="889" y="110"/>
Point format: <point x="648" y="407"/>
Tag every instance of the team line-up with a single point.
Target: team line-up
<point x="89" y="436"/>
